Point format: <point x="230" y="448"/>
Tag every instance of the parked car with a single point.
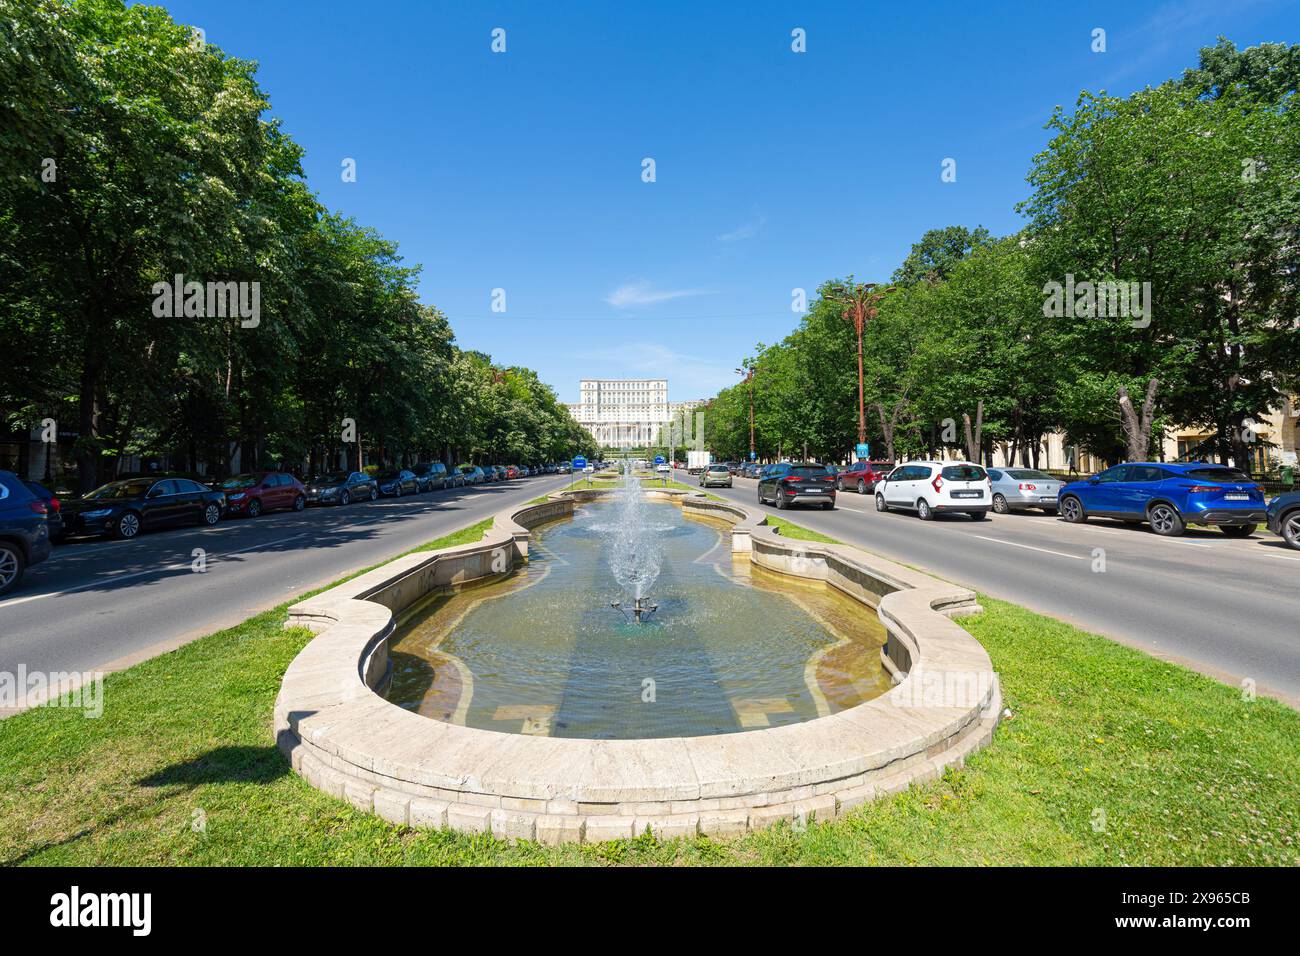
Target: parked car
<point x="123" y="509"/>
<point x="804" y="482"/>
<point x="861" y="476"/>
<point x="24" y="531"/>
<point x="936" y="487"/>
<point x="501" y="472"/>
<point x="395" y="482"/>
<point x="1284" y="517"/>
<point x="489" y="473"/>
<point x="473" y="474"/>
<point x="430" y="475"/>
<point x="1019" y="489"/>
<point x="255" y="492"/>
<point x="512" y="471"/>
<point x="53" y="508"/>
<point x="341" y="488"/>
<point x="1169" y="496"/>
<point x="715" y="476"/>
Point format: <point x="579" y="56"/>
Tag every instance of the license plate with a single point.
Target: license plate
<point x="968" y="494"/>
<point x="1231" y="497"/>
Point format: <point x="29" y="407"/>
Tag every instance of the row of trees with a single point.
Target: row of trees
<point x="134" y="152"/>
<point x="1188" y="194"/>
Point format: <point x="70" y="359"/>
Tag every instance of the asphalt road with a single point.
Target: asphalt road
<point x="103" y="605"/>
<point x="1227" y="607"/>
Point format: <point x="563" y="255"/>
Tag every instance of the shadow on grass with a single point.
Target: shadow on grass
<point x="223" y="765"/>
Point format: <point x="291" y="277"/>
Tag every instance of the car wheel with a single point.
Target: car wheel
<point x="862" y="487"/>
<point x="254" y="508"/>
<point x="299" y="503"/>
<point x="880" y="502"/>
<point x="11" y="567"/>
<point x="1238" y="530"/>
<point x="760" y="497"/>
<point x="1072" y="511"/>
<point x="212" y="513"/>
<point x="344" y="497"/>
<point x="923" y="510"/>
<point x="1000" y="504"/>
<point x="781" y="502"/>
<point x="374" y="494"/>
<point x="127" y="526"/>
<point x="1291" y="529"/>
<point x="978" y="515"/>
<point x="398" y="493"/>
<point x="1165" y="520"/>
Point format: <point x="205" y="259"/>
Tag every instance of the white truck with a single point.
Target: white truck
<point x="697" y="461"/>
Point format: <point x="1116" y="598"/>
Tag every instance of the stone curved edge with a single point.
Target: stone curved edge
<point x="350" y="742"/>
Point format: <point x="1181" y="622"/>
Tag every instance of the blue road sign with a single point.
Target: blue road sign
<point x="753" y="455"/>
<point x="863" y="450"/>
<point x="659" y="459"/>
<point x="579" y="463"/>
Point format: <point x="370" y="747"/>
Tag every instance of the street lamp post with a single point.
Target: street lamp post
<point x="748" y="371"/>
<point x="860" y="305"/>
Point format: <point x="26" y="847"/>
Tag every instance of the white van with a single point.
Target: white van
<point x="932" y="487"/>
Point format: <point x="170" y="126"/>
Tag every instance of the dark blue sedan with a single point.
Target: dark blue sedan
<point x="1169" y="496"/>
<point x="24" y="530"/>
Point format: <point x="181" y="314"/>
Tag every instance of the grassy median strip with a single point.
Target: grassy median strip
<point x="1109" y="757"/>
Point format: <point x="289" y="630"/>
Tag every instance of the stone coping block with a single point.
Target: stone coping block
<point x="343" y="737"/>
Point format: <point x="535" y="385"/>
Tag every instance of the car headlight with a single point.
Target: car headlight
<point x="97" y="513"/>
<point x="237" y="496"/>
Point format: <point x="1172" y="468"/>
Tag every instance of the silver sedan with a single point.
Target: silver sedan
<point x="1019" y="489"/>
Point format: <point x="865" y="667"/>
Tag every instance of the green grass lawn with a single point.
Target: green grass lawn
<point x="1109" y="757"/>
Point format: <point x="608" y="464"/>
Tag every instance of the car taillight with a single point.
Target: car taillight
<point x="1195" y="488"/>
<point x="1026" y="486"/>
<point x="55" y="506"/>
<point x="937" y="483"/>
<point x="790" y="478"/>
<point x="830" y="478"/>
<point x="38" y="507"/>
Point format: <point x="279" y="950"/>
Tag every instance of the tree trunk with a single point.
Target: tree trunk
<point x="1137" y="426"/>
<point x="974" y="440"/>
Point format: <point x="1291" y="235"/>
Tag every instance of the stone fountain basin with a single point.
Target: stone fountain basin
<point x="346" y="739"/>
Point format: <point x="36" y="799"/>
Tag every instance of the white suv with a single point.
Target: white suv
<point x="931" y="487"/>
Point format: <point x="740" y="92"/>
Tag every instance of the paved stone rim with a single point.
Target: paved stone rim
<point x="347" y="740"/>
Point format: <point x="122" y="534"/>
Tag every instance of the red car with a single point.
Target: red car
<point x="512" y="471"/>
<point x="861" y="476"/>
<point x="259" y="491"/>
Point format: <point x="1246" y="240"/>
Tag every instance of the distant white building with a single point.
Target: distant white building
<point x="624" y="413"/>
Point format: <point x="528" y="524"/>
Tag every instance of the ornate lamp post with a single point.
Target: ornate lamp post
<point x="859" y="301"/>
<point x="749" y="370"/>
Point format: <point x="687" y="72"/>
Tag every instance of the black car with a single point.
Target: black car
<point x="1284" y="517"/>
<point x="341" y="488"/>
<point x="123" y="509"/>
<point x="53" y="508"/>
<point x="430" y="475"/>
<point x="805" y="483"/>
<point x="396" y="482"/>
<point x="24" y="530"/>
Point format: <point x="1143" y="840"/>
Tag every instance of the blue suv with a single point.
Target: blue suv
<point x="1169" y="497"/>
<point x="24" y="530"/>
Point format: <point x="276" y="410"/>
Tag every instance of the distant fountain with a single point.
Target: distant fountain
<point x="633" y="548"/>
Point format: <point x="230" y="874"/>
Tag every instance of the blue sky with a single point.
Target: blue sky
<point x="774" y="169"/>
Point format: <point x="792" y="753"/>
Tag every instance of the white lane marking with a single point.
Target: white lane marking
<point x="139" y="574"/>
<point x="1030" y="547"/>
<point x="861" y="511"/>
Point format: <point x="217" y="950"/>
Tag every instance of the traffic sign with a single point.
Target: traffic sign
<point x="579" y="463"/>
<point x="863" y="451"/>
<point x="659" y="459"/>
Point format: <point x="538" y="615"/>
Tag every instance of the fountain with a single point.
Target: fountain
<point x="634" y="553"/>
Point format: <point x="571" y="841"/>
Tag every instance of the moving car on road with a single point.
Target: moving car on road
<point x="1284" y="517"/>
<point x="341" y="488"/>
<point x="807" y="483"/>
<point x="936" y="487"/>
<point x="53" y="508"/>
<point x="123" y="509"/>
<point x="1019" y="489"/>
<point x="255" y="492"/>
<point x="395" y="482"/>
<point x="24" y="530"/>
<point x="861" y="476"/>
<point x="1169" y="496"/>
<point x="715" y="476"/>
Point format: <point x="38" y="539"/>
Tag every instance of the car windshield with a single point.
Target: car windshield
<point x="331" y="478"/>
<point x="717" y="467"/>
<point x="809" y="471"/>
<point x="1217" y="474"/>
<point x="135" y="488"/>
<point x="1022" y="474"/>
<point x="963" y="473"/>
<point x="388" y="474"/>
<point x="240" y="481"/>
